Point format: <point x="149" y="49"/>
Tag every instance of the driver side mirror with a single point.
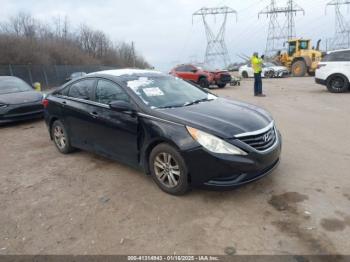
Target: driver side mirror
<point x="194" y="71"/>
<point x="121" y="106"/>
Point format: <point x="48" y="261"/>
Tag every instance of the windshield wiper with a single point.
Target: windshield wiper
<point x="197" y="102"/>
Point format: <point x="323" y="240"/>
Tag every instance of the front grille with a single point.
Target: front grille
<point x="25" y="109"/>
<point x="262" y="141"/>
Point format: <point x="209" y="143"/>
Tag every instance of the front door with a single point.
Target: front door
<point x="115" y="133"/>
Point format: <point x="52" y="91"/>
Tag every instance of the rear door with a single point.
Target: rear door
<point x="114" y="133"/>
<point x="77" y="112"/>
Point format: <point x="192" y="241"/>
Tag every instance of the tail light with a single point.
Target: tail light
<point x="320" y="66"/>
<point x="45" y="103"/>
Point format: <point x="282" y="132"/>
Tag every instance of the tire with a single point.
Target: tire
<point x="203" y="82"/>
<point x="222" y="85"/>
<point x="171" y="176"/>
<point x="245" y="74"/>
<point x="299" y="69"/>
<point x="338" y="84"/>
<point x="60" y="137"/>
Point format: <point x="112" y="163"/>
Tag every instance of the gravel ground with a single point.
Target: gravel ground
<point x="85" y="204"/>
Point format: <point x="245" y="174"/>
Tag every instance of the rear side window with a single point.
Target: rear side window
<point x="341" y="56"/>
<point x="107" y="92"/>
<point x="82" y="89"/>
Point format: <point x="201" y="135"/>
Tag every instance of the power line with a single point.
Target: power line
<point x="216" y="51"/>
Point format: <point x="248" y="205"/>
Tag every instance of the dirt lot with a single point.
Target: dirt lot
<point x="84" y="204"/>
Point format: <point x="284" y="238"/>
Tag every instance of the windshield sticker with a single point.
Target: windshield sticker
<point x="153" y="91"/>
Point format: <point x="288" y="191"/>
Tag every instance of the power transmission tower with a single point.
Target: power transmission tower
<point x="277" y="35"/>
<point x="341" y="39"/>
<point x="216" y="51"/>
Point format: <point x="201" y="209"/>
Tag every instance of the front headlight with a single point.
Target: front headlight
<point x="214" y="144"/>
<point x="2" y="105"/>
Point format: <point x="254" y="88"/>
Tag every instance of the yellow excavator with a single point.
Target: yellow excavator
<point x="301" y="58"/>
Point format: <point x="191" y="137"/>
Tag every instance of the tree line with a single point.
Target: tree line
<point x="26" y="40"/>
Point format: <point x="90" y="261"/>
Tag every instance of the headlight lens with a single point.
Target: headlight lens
<point x="2" y="105"/>
<point x="214" y="144"/>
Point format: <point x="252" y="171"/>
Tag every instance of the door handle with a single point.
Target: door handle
<point x="94" y="114"/>
<point x="64" y="103"/>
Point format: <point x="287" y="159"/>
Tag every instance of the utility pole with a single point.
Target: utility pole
<point x="216" y="51"/>
<point x="341" y="38"/>
<point x="278" y="35"/>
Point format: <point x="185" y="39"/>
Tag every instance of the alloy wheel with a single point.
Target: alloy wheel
<point x="338" y="83"/>
<point x="59" y="137"/>
<point x="167" y="170"/>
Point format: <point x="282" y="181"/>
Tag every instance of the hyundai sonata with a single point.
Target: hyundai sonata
<point x="181" y="135"/>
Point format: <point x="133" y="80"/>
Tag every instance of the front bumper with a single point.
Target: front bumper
<point x="22" y="112"/>
<point x="281" y="74"/>
<point x="227" y="171"/>
<point x="320" y="81"/>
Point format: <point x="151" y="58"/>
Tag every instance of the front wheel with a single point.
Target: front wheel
<point x="338" y="84"/>
<point x="245" y="74"/>
<point x="221" y="85"/>
<point x="168" y="170"/>
<point x="203" y="82"/>
<point x="299" y="69"/>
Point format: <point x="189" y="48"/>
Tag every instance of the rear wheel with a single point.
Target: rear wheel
<point x="299" y="69"/>
<point x="203" y="82"/>
<point x="168" y="170"/>
<point x="60" y="137"/>
<point x="245" y="74"/>
<point x="221" y="85"/>
<point x="338" y="84"/>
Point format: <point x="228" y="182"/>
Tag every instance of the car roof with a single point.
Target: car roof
<point x="336" y="51"/>
<point x="8" y="78"/>
<point x="126" y="73"/>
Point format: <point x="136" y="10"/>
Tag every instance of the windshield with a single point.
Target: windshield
<point x="268" y="64"/>
<point x="13" y="85"/>
<point x="167" y="92"/>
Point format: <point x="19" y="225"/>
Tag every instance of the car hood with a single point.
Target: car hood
<point x="278" y="68"/>
<point x="221" y="117"/>
<point x="20" y="97"/>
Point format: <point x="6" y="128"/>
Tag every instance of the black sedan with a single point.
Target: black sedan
<point x="176" y="132"/>
<point x="18" y="100"/>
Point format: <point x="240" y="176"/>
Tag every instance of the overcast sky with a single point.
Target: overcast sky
<point x="162" y="29"/>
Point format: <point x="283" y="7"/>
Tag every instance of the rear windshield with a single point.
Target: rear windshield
<point x="13" y="85"/>
<point x="341" y="56"/>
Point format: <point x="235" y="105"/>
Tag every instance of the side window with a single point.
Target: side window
<point x="107" y="91"/>
<point x="342" y="56"/>
<point x="82" y="89"/>
<point x="189" y="68"/>
<point x="180" y="69"/>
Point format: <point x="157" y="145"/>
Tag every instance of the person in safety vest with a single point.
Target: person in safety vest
<point x="257" y="64"/>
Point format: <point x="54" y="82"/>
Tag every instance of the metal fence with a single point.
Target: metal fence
<point x="47" y="75"/>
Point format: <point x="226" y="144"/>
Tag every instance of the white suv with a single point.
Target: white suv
<point x="334" y="71"/>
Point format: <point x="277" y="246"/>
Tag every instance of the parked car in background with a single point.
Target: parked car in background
<point x="75" y="75"/>
<point x="180" y="134"/>
<point x="18" y="100"/>
<point x="334" y="71"/>
<point x="269" y="70"/>
<point x="203" y="77"/>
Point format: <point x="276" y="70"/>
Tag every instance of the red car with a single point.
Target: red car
<point x="204" y="78"/>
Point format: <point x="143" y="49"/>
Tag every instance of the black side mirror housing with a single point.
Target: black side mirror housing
<point x="121" y="106"/>
<point x="194" y="71"/>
